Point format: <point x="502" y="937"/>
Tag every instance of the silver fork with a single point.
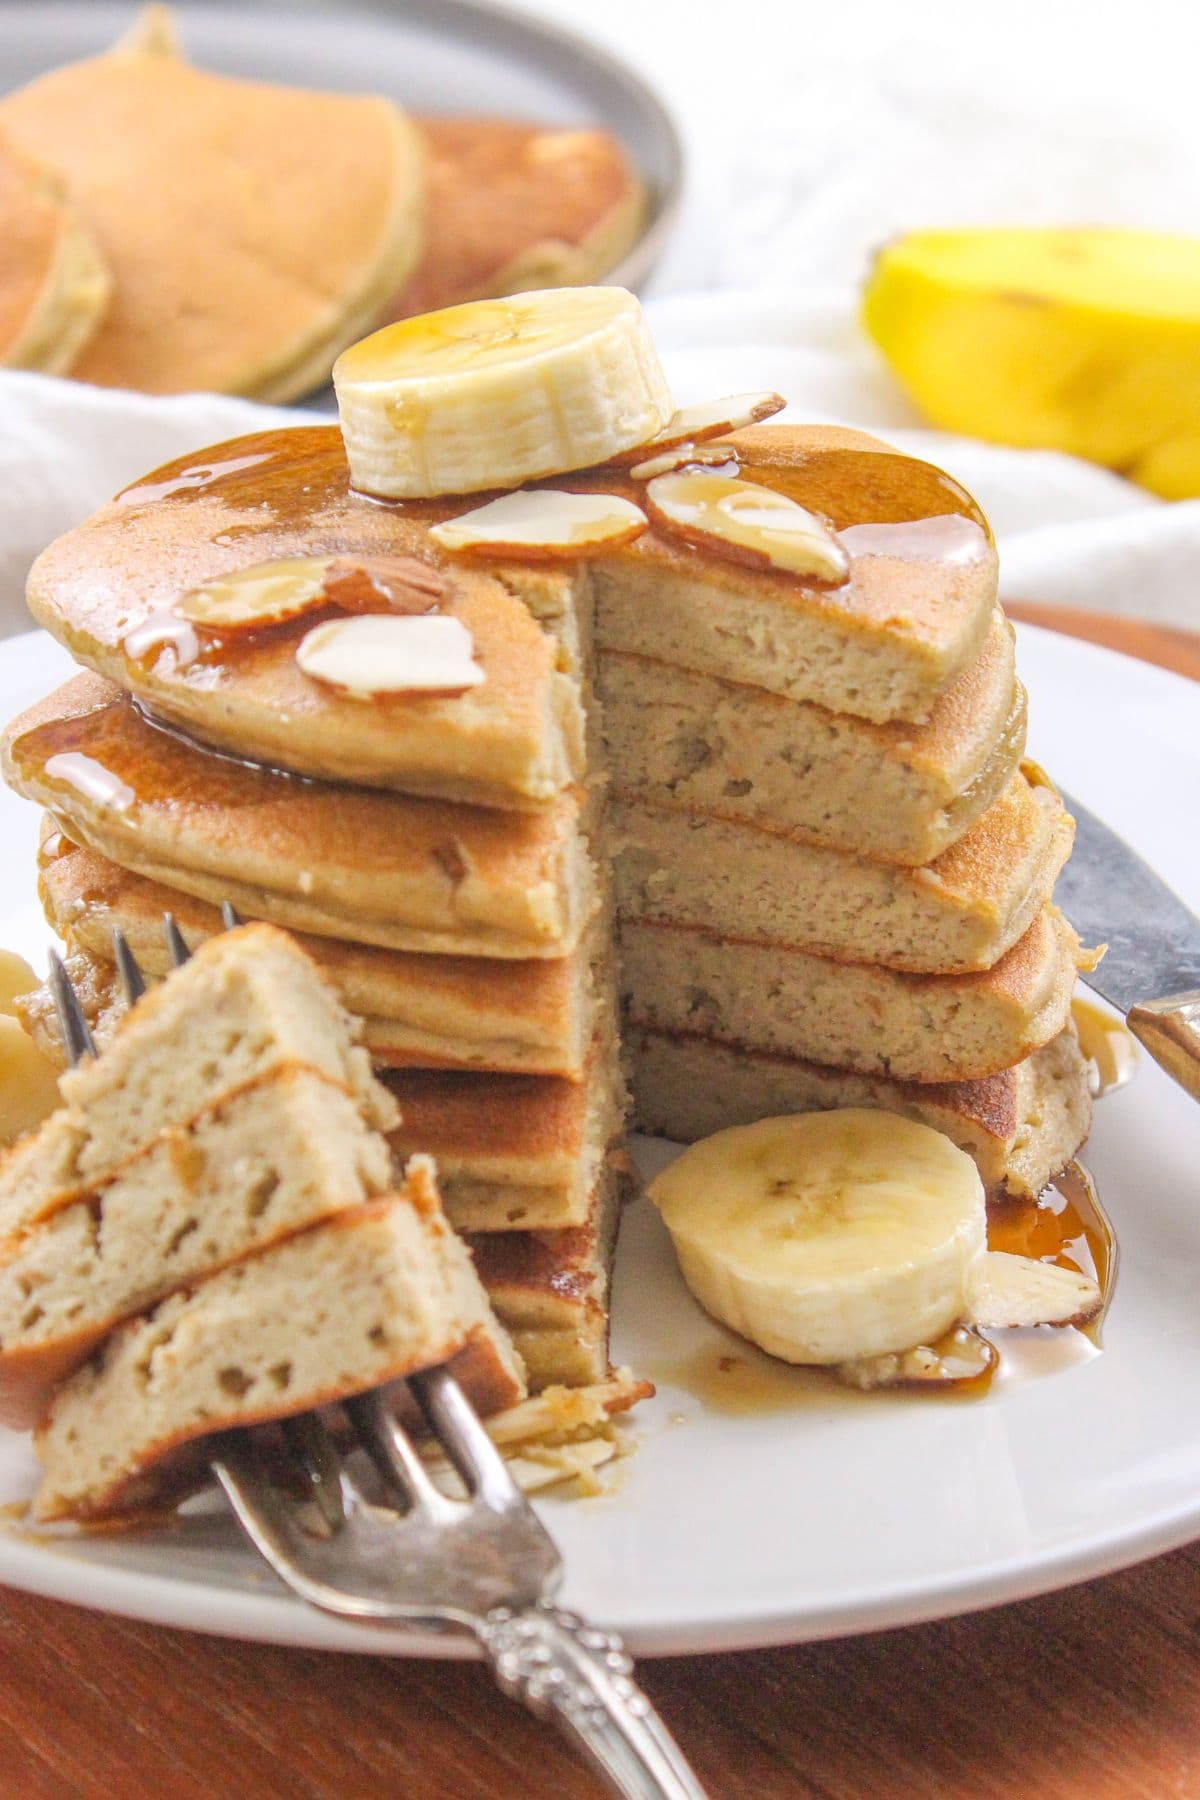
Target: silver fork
<point x="484" y="1565"/>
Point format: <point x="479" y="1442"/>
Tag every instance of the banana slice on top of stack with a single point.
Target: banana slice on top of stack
<point x="844" y="1237"/>
<point x="499" y="392"/>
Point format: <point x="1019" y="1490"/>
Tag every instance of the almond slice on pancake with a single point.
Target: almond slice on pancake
<point x="54" y="284"/>
<point x="252" y="231"/>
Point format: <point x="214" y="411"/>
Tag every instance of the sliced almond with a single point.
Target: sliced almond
<point x="415" y="653"/>
<point x="687" y="456"/>
<point x="380" y="584"/>
<point x="537" y="522"/>
<point x="1010" y="1291"/>
<point x="747" y="523"/>
<point x="962" y="1355"/>
<point x="710" y="419"/>
<point x="261" y="595"/>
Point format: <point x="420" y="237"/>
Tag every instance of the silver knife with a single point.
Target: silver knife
<point x="1152" y="969"/>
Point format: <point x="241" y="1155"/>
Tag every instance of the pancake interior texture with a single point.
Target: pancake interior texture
<point x="786" y="815"/>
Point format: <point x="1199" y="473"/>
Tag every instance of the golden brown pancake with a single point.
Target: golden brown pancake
<point x="251" y="231"/>
<point x="888" y="645"/>
<point x="550" y="1289"/>
<point x="513" y="207"/>
<point x="54" y="285"/>
<point x="897" y="792"/>
<point x="962" y="911"/>
<point x="515" y="740"/>
<point x="534" y="1017"/>
<point x="514" y="1152"/>
<point x="862" y="1016"/>
<point x="1021" y="1126"/>
<point x="349" y="863"/>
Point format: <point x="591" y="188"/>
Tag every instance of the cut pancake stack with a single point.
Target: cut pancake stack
<point x="210" y="1232"/>
<point x="835" y="872"/>
<point x="788" y="798"/>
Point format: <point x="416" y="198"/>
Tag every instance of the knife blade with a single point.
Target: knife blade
<point x="1152" y="968"/>
<point x="1112" y="897"/>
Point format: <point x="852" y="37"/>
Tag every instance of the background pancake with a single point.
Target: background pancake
<point x="514" y="206"/>
<point x="243" y="272"/>
<point x="54" y="285"/>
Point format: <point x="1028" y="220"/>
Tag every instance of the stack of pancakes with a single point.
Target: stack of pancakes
<point x="803" y="807"/>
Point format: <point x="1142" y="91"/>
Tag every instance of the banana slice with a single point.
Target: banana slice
<point x="499" y="392"/>
<point x="16" y="977"/>
<point x="827" y="1237"/>
<point x="28" y="1082"/>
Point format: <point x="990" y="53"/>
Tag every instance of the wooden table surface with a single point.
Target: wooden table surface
<point x="1092" y="1692"/>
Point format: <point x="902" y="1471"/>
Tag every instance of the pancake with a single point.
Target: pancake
<point x="915" y="613"/>
<point x="883" y="647"/>
<point x="514" y="206"/>
<point x="271" y="1159"/>
<point x="1021" y="1126"/>
<point x="355" y="864"/>
<point x="535" y="1017"/>
<point x="928" y="1028"/>
<point x="898" y="793"/>
<point x="251" y="231"/>
<point x="514" y="1152"/>
<point x="961" y="912"/>
<point x="369" y="1297"/>
<point x="515" y="740"/>
<point x="54" y="285"/>
<point x="246" y="1006"/>
<point x="550" y="1289"/>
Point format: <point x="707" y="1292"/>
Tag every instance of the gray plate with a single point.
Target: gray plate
<point x="451" y="56"/>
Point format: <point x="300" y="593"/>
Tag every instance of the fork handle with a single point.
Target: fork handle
<point x="563" y="1669"/>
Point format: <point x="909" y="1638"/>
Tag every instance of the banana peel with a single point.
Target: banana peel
<point x="1086" y="341"/>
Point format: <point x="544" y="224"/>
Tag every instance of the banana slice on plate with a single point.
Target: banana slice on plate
<point x="498" y="392"/>
<point x="829" y="1238"/>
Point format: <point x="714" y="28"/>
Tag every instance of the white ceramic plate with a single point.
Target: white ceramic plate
<point x="433" y="56"/>
<point x="822" y="1513"/>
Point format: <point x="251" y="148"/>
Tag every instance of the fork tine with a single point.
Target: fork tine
<point x="76" y="1033"/>
<point x="176" y="943"/>
<point x="312" y="1448"/>
<point x="457" y="1428"/>
<point x="132" y="981"/>
<point x="391" y="1451"/>
<point x="231" y="918"/>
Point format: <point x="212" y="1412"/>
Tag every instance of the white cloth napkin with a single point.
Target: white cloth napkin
<point x="1067" y="532"/>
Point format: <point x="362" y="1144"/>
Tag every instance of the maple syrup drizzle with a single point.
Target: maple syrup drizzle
<point x="950" y="538"/>
<point x="190" y="480"/>
<point x="91" y="778"/>
<point x="162" y="630"/>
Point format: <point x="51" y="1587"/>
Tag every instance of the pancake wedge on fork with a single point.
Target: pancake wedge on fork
<point x="230" y="1120"/>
